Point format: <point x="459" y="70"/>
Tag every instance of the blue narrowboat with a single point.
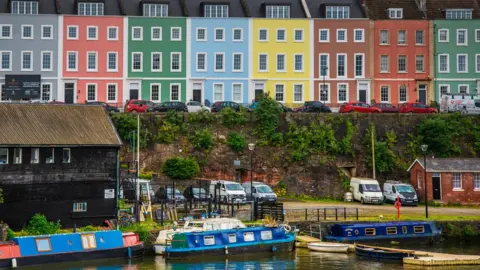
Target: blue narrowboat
<point x="383" y="231"/>
<point x="69" y="247"/>
<point x="231" y="242"/>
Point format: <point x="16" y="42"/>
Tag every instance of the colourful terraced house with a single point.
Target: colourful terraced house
<point x="219" y="52"/>
<point x="157" y="51"/>
<point x="281" y="51"/>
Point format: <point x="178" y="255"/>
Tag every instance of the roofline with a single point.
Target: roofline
<point x="415" y="161"/>
<point x="60" y="145"/>
<point x="452" y="171"/>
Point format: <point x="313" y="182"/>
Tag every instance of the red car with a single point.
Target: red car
<point x="386" y="107"/>
<point x="358" y="107"/>
<point x="138" y="105"/>
<point x="416" y="108"/>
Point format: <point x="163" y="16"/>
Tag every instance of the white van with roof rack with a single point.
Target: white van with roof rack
<point x="366" y="190"/>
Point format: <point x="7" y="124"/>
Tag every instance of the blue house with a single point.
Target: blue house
<point x="219" y="68"/>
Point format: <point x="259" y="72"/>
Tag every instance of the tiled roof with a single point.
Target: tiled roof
<point x="111" y="7"/>
<point x="235" y="7"/>
<point x="134" y="7"/>
<point x="44" y="7"/>
<point x="257" y="7"/>
<point x="317" y="7"/>
<point x="377" y="9"/>
<point x="450" y="164"/>
<point x="46" y="124"/>
<point x="436" y="9"/>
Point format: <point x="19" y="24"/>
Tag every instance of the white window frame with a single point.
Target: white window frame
<point x="241" y="92"/>
<point x="285" y="35"/>
<point x="355" y="65"/>
<point x="477" y="64"/>
<point x="86" y="91"/>
<point x="96" y="62"/>
<point x="424" y="66"/>
<point x="9" y="62"/>
<point x="388" y="93"/>
<point x="355" y="36"/>
<point x="51" y="61"/>
<point x="346" y="35"/>
<point x="215" y="62"/>
<point x="327" y="75"/>
<point x="233" y="62"/>
<point x="31" y="61"/>
<point x="388" y="64"/>
<point x="329" y="92"/>
<point x="447" y="32"/>
<point x="466" y="85"/>
<point x="270" y="12"/>
<point x="33" y="29"/>
<point x="380" y="37"/>
<point x="336" y="10"/>
<point x="223" y="91"/>
<point x="1" y="32"/>
<point x="160" y="38"/>
<point x="88" y="32"/>
<point x="19" y="156"/>
<point x="155" y="10"/>
<point x="160" y="63"/>
<point x="116" y="93"/>
<point x="33" y="5"/>
<point x="179" y="34"/>
<point x="398" y="64"/>
<point x="92" y="6"/>
<point x="116" y="62"/>
<point x="49" y="94"/>
<point x="116" y="32"/>
<point x="35" y="155"/>
<point x="398" y="37"/>
<point x="448" y="63"/>
<point x="205" y="62"/>
<point x="141" y="33"/>
<point x="205" y="35"/>
<point x="233" y="35"/>
<point x="303" y="93"/>
<point x="76" y="32"/>
<point x="159" y="92"/>
<point x="266" y="63"/>
<point x="477" y="35"/>
<point x="76" y="61"/>
<point x="284" y="64"/>
<point x="179" y="62"/>
<point x="215" y="34"/>
<point x="8" y="155"/>
<point x="266" y="35"/>
<point x="217" y="10"/>
<point x="294" y="63"/>
<point x="43" y="31"/>
<point x="453" y="182"/>
<point x="440" y="89"/>
<point x="395" y="11"/>
<point x="275" y="92"/>
<point x="320" y="35"/>
<point x="406" y="93"/>
<point x="69" y="155"/>
<point x="423" y="37"/>
<point x="346" y="65"/>
<point x="466" y="63"/>
<point x="476" y="182"/>
<point x="466" y="37"/>
<point x="141" y="62"/>
<point x="338" y="92"/>
<point x="295" y="35"/>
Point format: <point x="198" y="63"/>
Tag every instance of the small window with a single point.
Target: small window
<point x="370" y="231"/>
<point x="248" y="237"/>
<point x="3" y="155"/>
<point x="232" y="238"/>
<point x="137" y="33"/>
<point x="27" y="31"/>
<point x="34" y="156"/>
<point x="263" y="35"/>
<point x="43" y="244"/>
<point x="298" y="35"/>
<point x="66" y="155"/>
<point x="209" y="240"/>
<point x="281" y="35"/>
<point x="391" y="230"/>
<point x="88" y="241"/>
<point x="47" y="32"/>
<point x="17" y="156"/>
<point x="72" y="32"/>
<point x="176" y="34"/>
<point x="92" y="33"/>
<point x="201" y="34"/>
<point x="418" y="229"/>
<point x="404" y="229"/>
<point x="50" y="157"/>
<point x="80" y="207"/>
<point x="266" y="235"/>
<point x="395" y="13"/>
<point x="219" y="34"/>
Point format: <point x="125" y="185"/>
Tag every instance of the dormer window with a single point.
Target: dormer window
<point x="25" y="7"/>
<point x="395" y="13"/>
<point x="458" y="14"/>
<point x="90" y="9"/>
<point x="215" y="11"/>
<point x="277" y="12"/>
<point x="337" y="12"/>
<point x="155" y="10"/>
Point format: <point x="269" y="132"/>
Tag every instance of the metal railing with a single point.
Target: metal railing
<point x="322" y="214"/>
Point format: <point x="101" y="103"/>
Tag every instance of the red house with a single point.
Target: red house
<point x="449" y="180"/>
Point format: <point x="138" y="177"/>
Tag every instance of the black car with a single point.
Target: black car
<point x="169" y="105"/>
<point x="314" y="106"/>
<point x="196" y="194"/>
<point x="109" y="108"/>
<point x="220" y="105"/>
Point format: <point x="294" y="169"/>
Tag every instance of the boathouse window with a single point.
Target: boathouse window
<point x="232" y="238"/>
<point x="418" y="229"/>
<point x="404" y="229"/>
<point x="34" y="155"/>
<point x="88" y="241"/>
<point x="50" y="155"/>
<point x="80" y="207"/>
<point x="248" y="237"/>
<point x="266" y="235"/>
<point x="391" y="230"/>
<point x="209" y="240"/>
<point x="66" y="155"/>
<point x="370" y="231"/>
<point x="3" y="155"/>
<point x="17" y="155"/>
<point x="43" y="244"/>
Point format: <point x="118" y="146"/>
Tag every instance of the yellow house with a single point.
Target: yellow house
<point x="281" y="58"/>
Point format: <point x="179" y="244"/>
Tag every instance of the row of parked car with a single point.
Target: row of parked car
<point x="367" y="190"/>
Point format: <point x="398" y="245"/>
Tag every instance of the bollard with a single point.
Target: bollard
<point x="161" y="215"/>
<point x="356" y="210"/>
<point x="14" y="263"/>
<point x="336" y="213"/>
<point x="318" y="215"/>
<point x="306" y="214"/>
<point x="324" y="213"/>
<point x="345" y="213"/>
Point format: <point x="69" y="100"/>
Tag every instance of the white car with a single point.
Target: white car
<point x="195" y="106"/>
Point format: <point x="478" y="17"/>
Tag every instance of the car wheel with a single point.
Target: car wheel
<point x="134" y="111"/>
<point x="361" y="201"/>
<point x="410" y="112"/>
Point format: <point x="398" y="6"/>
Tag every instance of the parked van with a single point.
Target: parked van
<point x="393" y="189"/>
<point x="227" y="191"/>
<point x="366" y="190"/>
<point x="465" y="104"/>
<point x="261" y="192"/>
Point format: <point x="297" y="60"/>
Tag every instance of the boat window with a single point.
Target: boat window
<point x="209" y="240"/>
<point x="43" y="244"/>
<point x="88" y="241"/>
<point x="232" y="238"/>
<point x="248" y="237"/>
<point x="370" y="231"/>
<point x="418" y="229"/>
<point x="404" y="229"/>
<point x="266" y="235"/>
<point x="391" y="230"/>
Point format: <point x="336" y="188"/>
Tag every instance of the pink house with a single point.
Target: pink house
<point x="93" y="59"/>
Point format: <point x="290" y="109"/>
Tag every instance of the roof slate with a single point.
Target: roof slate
<point x="377" y="9"/>
<point x="44" y="6"/>
<point x="111" y="7"/>
<point x="436" y="9"/>
<point x="47" y="124"/>
<point x="235" y="8"/>
<point x="317" y="7"/>
<point x="257" y="7"/>
<point x="134" y="7"/>
<point x="450" y="164"/>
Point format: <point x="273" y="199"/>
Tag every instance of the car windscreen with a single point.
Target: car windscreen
<point x="264" y="189"/>
<point x="371" y="188"/>
<point x="234" y="187"/>
<point x="405" y="188"/>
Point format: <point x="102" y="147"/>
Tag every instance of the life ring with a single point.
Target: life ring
<point x="287" y="228"/>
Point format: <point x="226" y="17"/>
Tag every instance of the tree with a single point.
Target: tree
<point x="267" y="118"/>
<point x="180" y="168"/>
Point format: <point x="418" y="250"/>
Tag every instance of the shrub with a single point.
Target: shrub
<point x="125" y="123"/>
<point x="10" y="234"/>
<point x="346" y="142"/>
<point x="236" y="141"/>
<point x="438" y="134"/>
<point x="201" y="117"/>
<point x="231" y="118"/>
<point x="180" y="168"/>
<point x="267" y="118"/>
<point x="88" y="228"/>
<point x="385" y="159"/>
<point x="276" y="139"/>
<point x="174" y="118"/>
<point x="203" y="139"/>
<point x="167" y="133"/>
<point x="40" y="225"/>
<point x="146" y="175"/>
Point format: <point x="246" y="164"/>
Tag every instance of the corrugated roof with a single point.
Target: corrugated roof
<point x="450" y="164"/>
<point x="47" y="124"/>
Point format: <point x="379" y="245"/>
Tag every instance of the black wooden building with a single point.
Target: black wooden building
<point x="58" y="160"/>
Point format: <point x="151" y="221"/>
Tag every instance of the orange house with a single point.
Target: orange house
<point x="93" y="59"/>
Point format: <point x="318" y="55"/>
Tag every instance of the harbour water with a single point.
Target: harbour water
<point x="300" y="259"/>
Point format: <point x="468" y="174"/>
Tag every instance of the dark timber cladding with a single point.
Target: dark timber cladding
<point x="57" y="160"/>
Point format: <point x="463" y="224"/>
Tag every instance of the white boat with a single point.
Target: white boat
<point x="328" y="247"/>
<point x="211" y="224"/>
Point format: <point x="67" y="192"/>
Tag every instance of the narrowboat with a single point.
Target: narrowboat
<point x="69" y="247"/>
<point x="380" y="253"/>
<point x="231" y="242"/>
<point x="383" y="231"/>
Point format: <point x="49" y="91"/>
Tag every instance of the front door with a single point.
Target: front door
<point x="362" y="92"/>
<point x="437" y="194"/>
<point x="134" y="90"/>
<point x="69" y="93"/>
<point x="197" y="92"/>
<point x="422" y="93"/>
<point x="259" y="90"/>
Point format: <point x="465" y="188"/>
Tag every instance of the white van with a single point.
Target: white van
<point x="406" y="192"/>
<point x="228" y="191"/>
<point x="261" y="192"/>
<point x="465" y="104"/>
<point x="366" y="190"/>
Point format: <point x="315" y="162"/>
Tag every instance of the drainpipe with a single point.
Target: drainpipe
<point x="305" y="8"/>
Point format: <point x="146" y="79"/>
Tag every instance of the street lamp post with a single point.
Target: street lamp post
<point x="251" y="147"/>
<point x="424" y="151"/>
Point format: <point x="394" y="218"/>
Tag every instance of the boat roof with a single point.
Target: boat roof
<point x="386" y="224"/>
<point x="248" y="229"/>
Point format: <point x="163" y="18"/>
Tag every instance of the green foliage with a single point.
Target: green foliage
<point x="313" y="139"/>
<point x="236" y="141"/>
<point x="267" y="120"/>
<point x="10" y="234"/>
<point x="385" y="159"/>
<point x="1" y="195"/>
<point x="146" y="175"/>
<point x="167" y="133"/>
<point x="89" y="228"/>
<point x="345" y="180"/>
<point x="201" y="117"/>
<point x="125" y="123"/>
<point x="123" y="166"/>
<point x="203" y="139"/>
<point x="174" y="118"/>
<point x="231" y="118"/>
<point x="180" y="168"/>
<point x="346" y="143"/>
<point x="468" y="231"/>
<point x="438" y="134"/>
<point x="276" y="139"/>
<point x="39" y="225"/>
<point x="121" y="204"/>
